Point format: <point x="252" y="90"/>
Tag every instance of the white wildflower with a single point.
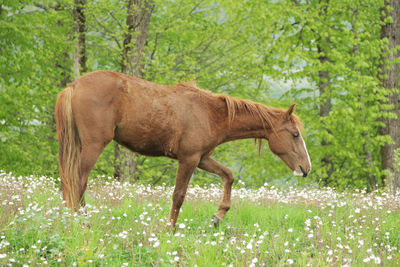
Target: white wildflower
<point x="249" y="246"/>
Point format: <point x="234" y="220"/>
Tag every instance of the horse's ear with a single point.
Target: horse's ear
<point x="290" y="111"/>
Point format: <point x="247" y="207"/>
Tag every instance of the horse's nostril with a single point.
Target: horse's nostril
<point x="304" y="173"/>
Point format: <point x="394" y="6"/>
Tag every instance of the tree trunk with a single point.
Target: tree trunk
<point x="135" y="37"/>
<point x="324" y="109"/>
<point x="324" y="90"/>
<point x="79" y="57"/>
<point x="132" y="63"/>
<point x="390" y="81"/>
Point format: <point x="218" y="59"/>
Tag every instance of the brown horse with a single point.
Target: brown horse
<point x="181" y="122"/>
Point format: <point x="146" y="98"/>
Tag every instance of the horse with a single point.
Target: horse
<point x="182" y="122"/>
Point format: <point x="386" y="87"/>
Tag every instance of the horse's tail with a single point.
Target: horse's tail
<point x="69" y="149"/>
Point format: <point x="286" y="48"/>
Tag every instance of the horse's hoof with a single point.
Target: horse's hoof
<point x="169" y="227"/>
<point x="215" y="221"/>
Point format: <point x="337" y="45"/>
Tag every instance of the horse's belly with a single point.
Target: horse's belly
<point x="147" y="142"/>
<point x="147" y="150"/>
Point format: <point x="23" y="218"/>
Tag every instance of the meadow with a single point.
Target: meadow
<point x="125" y="225"/>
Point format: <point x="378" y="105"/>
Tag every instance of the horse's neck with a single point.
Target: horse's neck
<point x="246" y="126"/>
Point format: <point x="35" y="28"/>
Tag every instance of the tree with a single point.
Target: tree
<point x="323" y="45"/>
<point x="389" y="76"/>
<point x="132" y="63"/>
<point x="79" y="56"/>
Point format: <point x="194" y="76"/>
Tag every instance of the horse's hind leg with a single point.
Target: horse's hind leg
<point x="96" y="129"/>
<point x="89" y="154"/>
<point x="210" y="165"/>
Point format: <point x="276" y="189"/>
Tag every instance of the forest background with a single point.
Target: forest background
<point x="338" y="60"/>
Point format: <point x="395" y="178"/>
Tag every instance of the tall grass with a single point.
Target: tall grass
<point x="124" y="225"/>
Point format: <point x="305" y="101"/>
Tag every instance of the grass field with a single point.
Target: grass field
<point x="124" y="225"/>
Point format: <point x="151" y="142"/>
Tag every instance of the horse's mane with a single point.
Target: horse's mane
<point x="257" y="110"/>
<point x="235" y="106"/>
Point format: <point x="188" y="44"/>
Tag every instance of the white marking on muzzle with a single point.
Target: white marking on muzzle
<point x="297" y="173"/>
<point x="305" y="148"/>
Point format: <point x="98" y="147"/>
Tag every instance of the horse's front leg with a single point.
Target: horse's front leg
<point x="210" y="165"/>
<point x="185" y="170"/>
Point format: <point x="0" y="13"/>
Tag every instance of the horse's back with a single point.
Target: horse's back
<point x="148" y="118"/>
<point x="157" y="118"/>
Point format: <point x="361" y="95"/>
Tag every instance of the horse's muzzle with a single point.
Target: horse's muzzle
<point x="305" y="173"/>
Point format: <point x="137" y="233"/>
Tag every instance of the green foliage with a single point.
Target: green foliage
<point x="267" y="51"/>
<point x="348" y="37"/>
<point x="31" y="61"/>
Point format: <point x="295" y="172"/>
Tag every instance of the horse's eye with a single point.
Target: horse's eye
<point x="296" y="135"/>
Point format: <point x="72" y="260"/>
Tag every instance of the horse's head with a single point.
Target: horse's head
<point x="287" y="143"/>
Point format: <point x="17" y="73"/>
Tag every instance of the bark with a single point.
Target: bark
<point x="132" y="63"/>
<point x="324" y="109"/>
<point x="66" y="71"/>
<point x="135" y="37"/>
<point x="324" y="90"/>
<point x="79" y="57"/>
<point x="390" y="80"/>
<point x="371" y="178"/>
<point x="63" y="64"/>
